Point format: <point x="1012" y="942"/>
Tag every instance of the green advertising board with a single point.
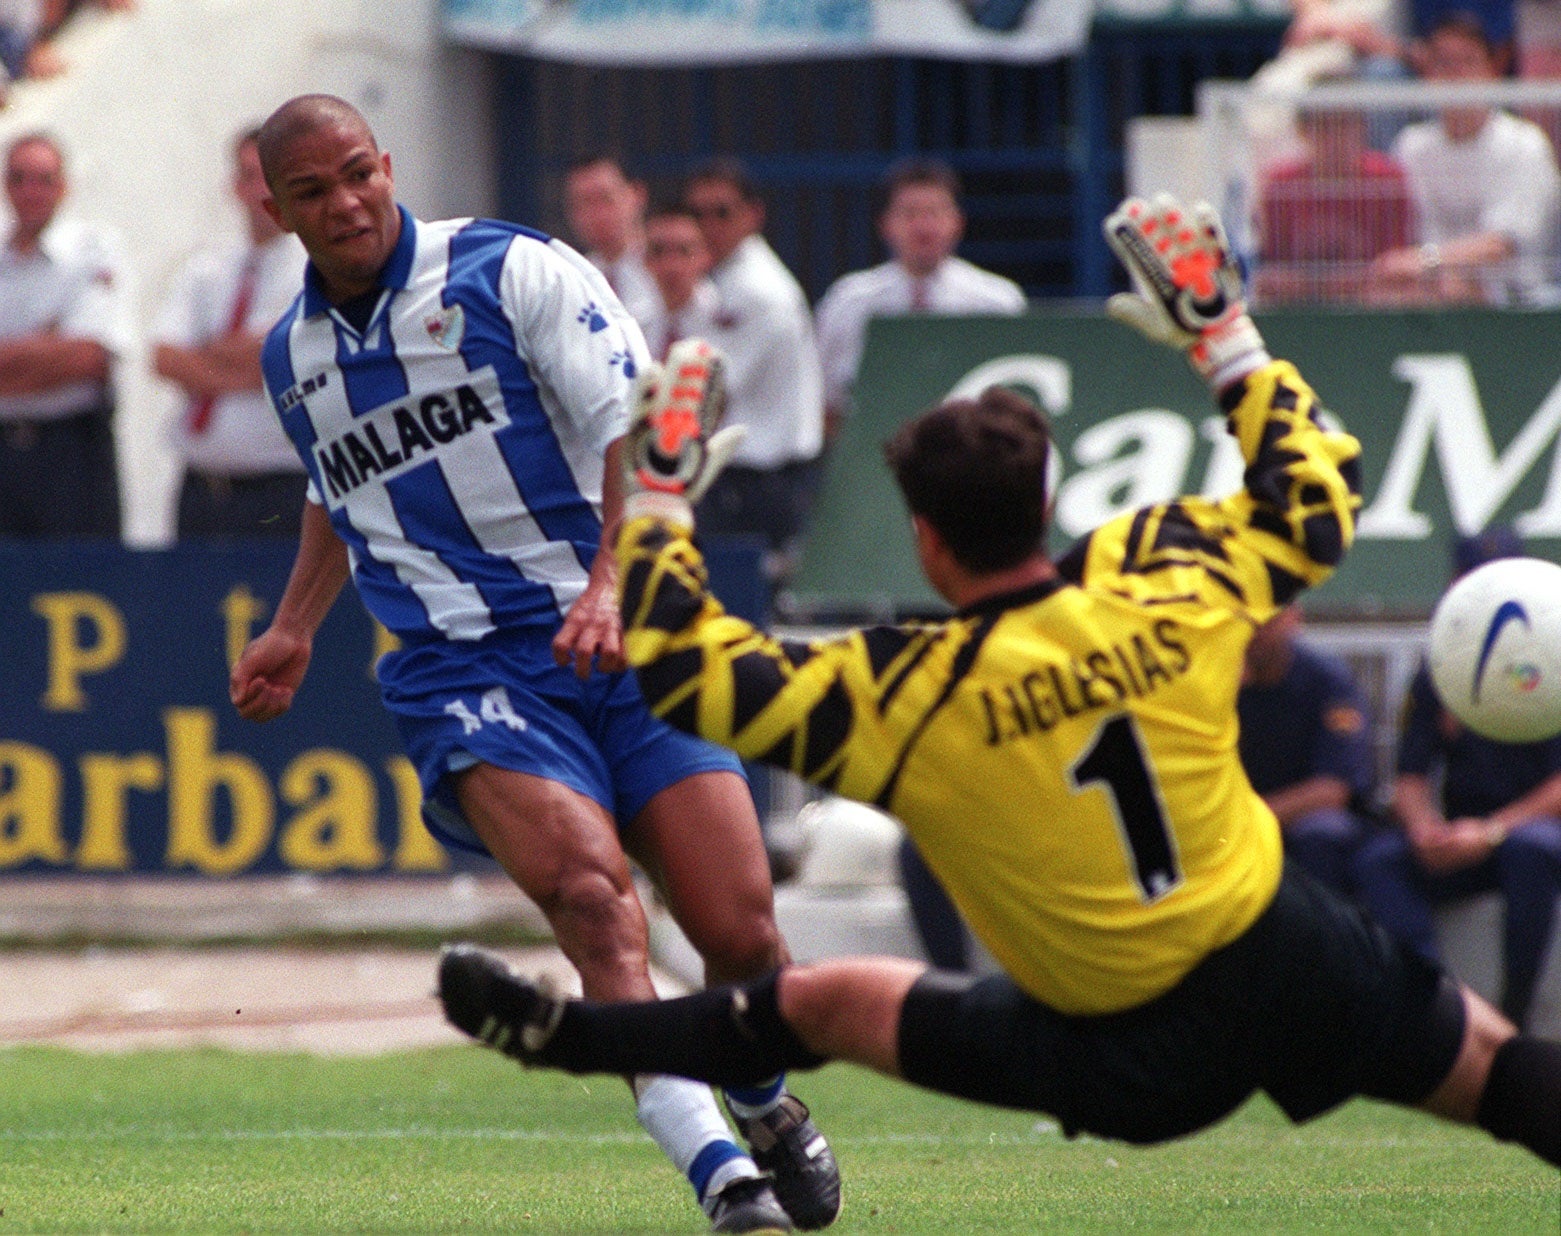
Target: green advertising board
<point x="1458" y="413"/>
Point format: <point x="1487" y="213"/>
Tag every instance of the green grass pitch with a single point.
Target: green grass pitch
<point x="460" y="1139"/>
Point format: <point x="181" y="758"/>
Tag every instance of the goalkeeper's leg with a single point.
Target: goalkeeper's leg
<point x="795" y="1018"/>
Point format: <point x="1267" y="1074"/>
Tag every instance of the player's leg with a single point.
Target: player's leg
<point x="699" y="839"/>
<point x="562" y="849"/>
<point x="1507" y="1083"/>
<point x="729" y="1035"/>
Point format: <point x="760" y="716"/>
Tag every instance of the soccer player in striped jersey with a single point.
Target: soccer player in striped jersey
<point x="1064" y="751"/>
<point x="458" y="391"/>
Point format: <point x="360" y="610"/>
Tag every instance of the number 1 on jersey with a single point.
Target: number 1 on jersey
<point x="1116" y="760"/>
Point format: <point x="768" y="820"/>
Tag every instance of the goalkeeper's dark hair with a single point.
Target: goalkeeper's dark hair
<point x="975" y="469"/>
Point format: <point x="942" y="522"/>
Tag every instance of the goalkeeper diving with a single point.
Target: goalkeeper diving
<point x="1063" y="751"/>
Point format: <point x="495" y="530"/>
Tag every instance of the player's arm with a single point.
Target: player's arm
<point x="269" y="671"/>
<point x="592" y="632"/>
<point x="803" y="707"/>
<point x="581" y="344"/>
<point x="1296" y="514"/>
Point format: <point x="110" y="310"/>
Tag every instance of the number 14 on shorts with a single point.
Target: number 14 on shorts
<point x="493" y="708"/>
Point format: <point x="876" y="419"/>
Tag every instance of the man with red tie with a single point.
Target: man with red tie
<point x="242" y="476"/>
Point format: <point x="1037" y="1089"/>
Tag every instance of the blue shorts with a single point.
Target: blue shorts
<point x="503" y="701"/>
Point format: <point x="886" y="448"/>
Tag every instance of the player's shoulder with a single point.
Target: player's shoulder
<point x="479" y="228"/>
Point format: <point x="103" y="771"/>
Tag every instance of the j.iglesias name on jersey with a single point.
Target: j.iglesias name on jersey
<point x="1105" y="677"/>
<point x="399" y="435"/>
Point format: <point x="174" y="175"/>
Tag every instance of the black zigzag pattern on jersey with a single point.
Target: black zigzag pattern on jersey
<point x="1177" y="530"/>
<point x="964" y="659"/>
<point x="1177" y="541"/>
<point x="883" y="644"/>
<point x="661" y="594"/>
<point x="756" y="680"/>
<point x="664" y="677"/>
<point x="888" y="694"/>
<point x="1285" y="585"/>
<point x="828" y="727"/>
<point x="1267" y="478"/>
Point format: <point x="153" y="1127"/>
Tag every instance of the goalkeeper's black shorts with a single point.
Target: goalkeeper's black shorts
<point x="1316" y="1003"/>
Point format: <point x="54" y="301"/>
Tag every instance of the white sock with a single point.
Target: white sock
<point x="683" y="1118"/>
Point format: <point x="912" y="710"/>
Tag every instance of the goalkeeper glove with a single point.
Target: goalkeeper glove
<point x="1188" y="290"/>
<point x="674" y="452"/>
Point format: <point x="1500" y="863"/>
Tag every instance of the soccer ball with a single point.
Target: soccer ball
<point x="1496" y="649"/>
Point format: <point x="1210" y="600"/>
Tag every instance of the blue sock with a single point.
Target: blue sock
<point x="751" y="1101"/>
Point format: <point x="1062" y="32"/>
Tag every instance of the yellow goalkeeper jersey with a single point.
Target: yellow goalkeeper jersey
<point x="1064" y="756"/>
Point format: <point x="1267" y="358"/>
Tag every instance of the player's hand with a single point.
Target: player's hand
<point x="267" y="674"/>
<point x="674" y="451"/>
<point x="592" y="633"/>
<point x="1187" y="286"/>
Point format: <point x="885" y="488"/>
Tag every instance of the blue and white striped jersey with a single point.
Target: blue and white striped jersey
<point x="457" y="440"/>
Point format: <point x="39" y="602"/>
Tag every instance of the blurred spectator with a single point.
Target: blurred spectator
<point x="1327" y="212"/>
<point x="1339" y="38"/>
<point x="774" y="384"/>
<point x="1497" y="18"/>
<point x="1485" y="186"/>
<point x="679" y="261"/>
<point x="1306" y="746"/>
<point x="42" y="56"/>
<point x="921" y="224"/>
<point x="1537" y="38"/>
<point x="1476" y="816"/>
<point x="1327" y="40"/>
<point x="605" y="210"/>
<point x="65" y="318"/>
<point x="242" y="475"/>
<point x="19" y="24"/>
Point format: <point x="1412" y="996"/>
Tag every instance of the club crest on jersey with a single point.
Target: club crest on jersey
<point x="447" y="327"/>
<point x="396" y="437"/>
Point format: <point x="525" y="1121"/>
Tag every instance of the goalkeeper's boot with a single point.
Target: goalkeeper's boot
<point x="749" y="1206"/>
<point x="484" y="997"/>
<point x="786" y="1143"/>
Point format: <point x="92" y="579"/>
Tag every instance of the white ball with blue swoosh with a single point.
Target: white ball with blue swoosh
<point x="1495" y="650"/>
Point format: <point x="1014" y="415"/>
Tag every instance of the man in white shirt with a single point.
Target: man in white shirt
<point x="242" y="476"/>
<point x="679" y="261"/>
<point x="1485" y="186"/>
<point x="921" y="225"/>
<point x="65" y="318"/>
<point x="606" y="211"/>
<point x="774" y="382"/>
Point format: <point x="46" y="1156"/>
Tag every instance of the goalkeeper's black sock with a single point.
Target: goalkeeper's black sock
<point x="730" y="1036"/>
<point x="1522" y="1099"/>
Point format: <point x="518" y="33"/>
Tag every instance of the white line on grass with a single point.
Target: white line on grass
<point x="1042" y="1130"/>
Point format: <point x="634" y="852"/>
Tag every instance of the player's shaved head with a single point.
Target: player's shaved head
<point x="301" y="116"/>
